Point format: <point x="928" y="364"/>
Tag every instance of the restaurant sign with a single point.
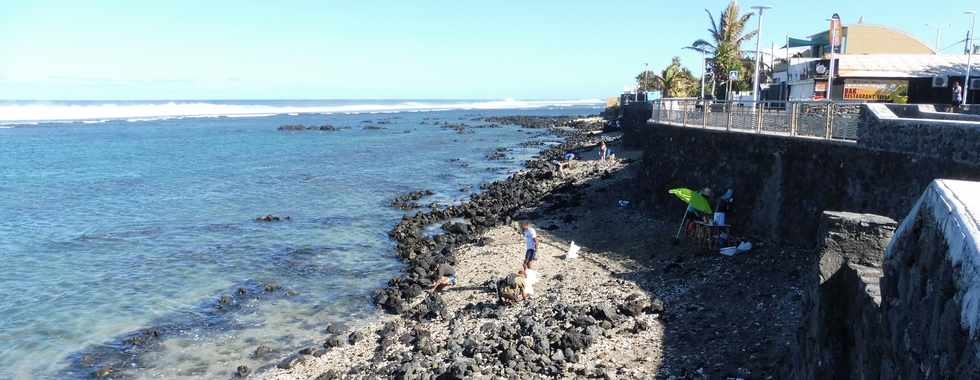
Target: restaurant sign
<point x="874" y="89"/>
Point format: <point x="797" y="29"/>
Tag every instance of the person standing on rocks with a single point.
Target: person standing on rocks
<point x="603" y="150"/>
<point x="531" y="242"/>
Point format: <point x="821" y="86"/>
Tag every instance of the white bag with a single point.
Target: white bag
<point x="532" y="278"/>
<point x="572" y="251"/>
<point x="744" y="247"/>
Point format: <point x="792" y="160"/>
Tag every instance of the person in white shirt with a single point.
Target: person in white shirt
<point x="531" y="241"/>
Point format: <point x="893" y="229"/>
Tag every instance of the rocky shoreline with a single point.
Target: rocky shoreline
<point x="547" y="339"/>
<point x="495" y="205"/>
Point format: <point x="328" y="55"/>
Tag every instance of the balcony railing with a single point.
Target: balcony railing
<point x="810" y="119"/>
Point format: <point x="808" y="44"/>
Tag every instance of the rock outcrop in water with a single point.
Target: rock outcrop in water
<point x="301" y="127"/>
<point x="271" y="218"/>
<point x="409" y="201"/>
<point x="113" y="359"/>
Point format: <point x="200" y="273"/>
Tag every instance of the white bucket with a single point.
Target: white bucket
<point x="572" y="251"/>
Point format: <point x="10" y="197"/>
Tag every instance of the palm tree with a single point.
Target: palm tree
<point x="725" y="45"/>
<point x="673" y="82"/>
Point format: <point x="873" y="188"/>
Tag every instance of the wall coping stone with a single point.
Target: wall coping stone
<point x="955" y="205"/>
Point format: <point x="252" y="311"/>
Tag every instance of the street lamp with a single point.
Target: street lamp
<point x="969" y="55"/>
<point x="704" y="69"/>
<point x="758" y="38"/>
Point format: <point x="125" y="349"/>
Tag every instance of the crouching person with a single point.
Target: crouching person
<point x="446" y="277"/>
<point x="510" y="289"/>
<point x="516" y="287"/>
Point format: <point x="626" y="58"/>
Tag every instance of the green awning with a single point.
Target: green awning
<point x="799" y="42"/>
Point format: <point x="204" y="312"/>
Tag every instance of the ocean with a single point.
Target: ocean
<point x="118" y="217"/>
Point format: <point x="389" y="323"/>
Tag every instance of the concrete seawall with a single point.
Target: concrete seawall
<point x="783" y="184"/>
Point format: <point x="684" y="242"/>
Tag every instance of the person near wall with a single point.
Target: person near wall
<point x="957" y="94"/>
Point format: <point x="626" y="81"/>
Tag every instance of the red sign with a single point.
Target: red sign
<point x="836" y="31"/>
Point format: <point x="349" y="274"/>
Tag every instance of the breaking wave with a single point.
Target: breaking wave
<point x="30" y="112"/>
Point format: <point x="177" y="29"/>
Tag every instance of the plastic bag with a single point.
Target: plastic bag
<point x="572" y="251"/>
<point x="532" y="278"/>
<point x="744" y="247"/>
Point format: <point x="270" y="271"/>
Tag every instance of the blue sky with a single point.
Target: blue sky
<point x="65" y="49"/>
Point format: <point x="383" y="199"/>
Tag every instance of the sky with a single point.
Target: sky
<point x="364" y="49"/>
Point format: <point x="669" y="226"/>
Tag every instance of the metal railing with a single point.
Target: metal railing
<point x="811" y="119"/>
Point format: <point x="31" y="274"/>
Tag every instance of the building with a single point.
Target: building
<point x="874" y="64"/>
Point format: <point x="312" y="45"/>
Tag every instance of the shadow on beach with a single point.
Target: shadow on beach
<point x="725" y="316"/>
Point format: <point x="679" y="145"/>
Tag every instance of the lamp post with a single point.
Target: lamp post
<point x="969" y="55"/>
<point x="758" y="39"/>
<point x="704" y="69"/>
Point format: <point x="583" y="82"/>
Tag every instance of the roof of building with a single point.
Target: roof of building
<point x="901" y="65"/>
<point x="865" y="38"/>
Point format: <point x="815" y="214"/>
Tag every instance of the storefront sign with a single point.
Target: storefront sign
<point x="874" y="89"/>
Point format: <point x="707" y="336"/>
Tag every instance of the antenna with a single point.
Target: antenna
<point x="939" y="34"/>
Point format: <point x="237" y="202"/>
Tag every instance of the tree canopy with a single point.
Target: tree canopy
<point x="675" y="81"/>
<point x="724" y="47"/>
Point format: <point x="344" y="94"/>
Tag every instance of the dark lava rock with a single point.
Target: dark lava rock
<point x="575" y="341"/>
<point x="497" y="154"/>
<point x="334" y="341"/>
<point x="431" y="308"/>
<point x="457" y="228"/>
<point x="292" y="127"/>
<point x="292" y="361"/>
<point x="355" y="337"/>
<point x="300" y="127"/>
<point x="408" y="201"/>
<point x="242" y="371"/>
<point x="388" y="331"/>
<point x="262" y="352"/>
<point x="271" y="218"/>
<point x="640" y="326"/>
<point x="584" y="321"/>
<point x="635" y="305"/>
<point x="605" y="311"/>
<point x="335" y="328"/>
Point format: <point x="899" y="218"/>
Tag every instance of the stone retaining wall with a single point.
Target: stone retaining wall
<point x="956" y="137"/>
<point x="841" y="306"/>
<point x="908" y="311"/>
<point x="931" y="287"/>
<point x="781" y="184"/>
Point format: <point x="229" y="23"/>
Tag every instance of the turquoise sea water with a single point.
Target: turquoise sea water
<point x="114" y="226"/>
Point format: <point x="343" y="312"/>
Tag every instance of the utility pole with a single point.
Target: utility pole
<point x="969" y="55"/>
<point x="758" y="40"/>
<point x="704" y="69"/>
<point x="835" y="28"/>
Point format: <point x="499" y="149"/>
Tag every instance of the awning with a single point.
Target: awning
<point x="798" y="42"/>
<point x="901" y="65"/>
